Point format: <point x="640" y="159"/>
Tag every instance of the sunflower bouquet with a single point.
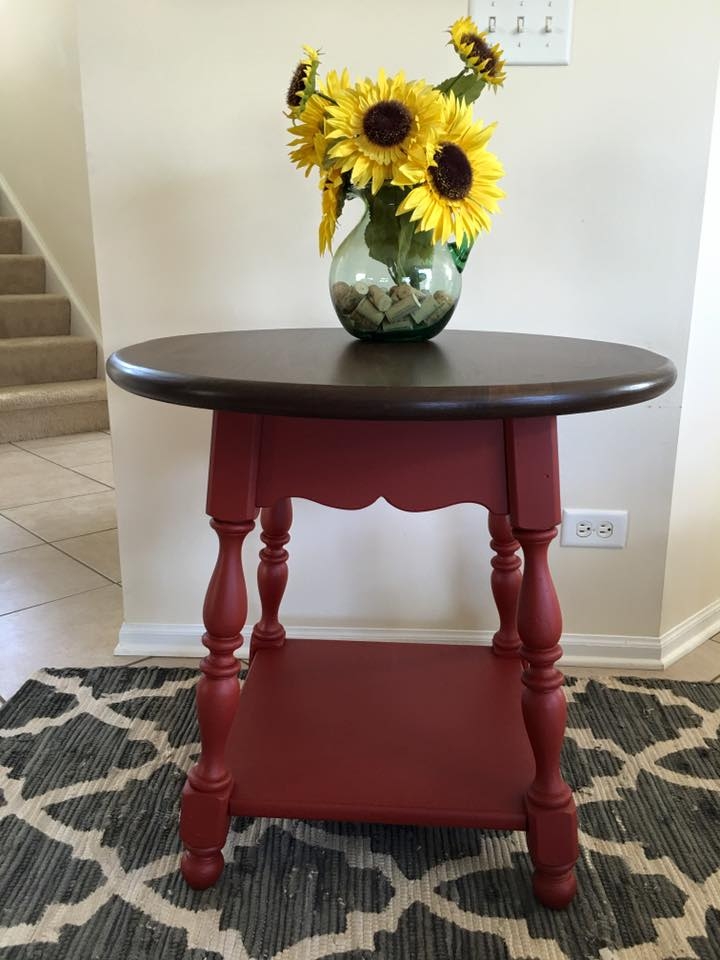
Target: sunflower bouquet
<point x="419" y="159"/>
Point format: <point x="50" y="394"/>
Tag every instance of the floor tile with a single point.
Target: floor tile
<point x="25" y="478"/>
<point x="103" y="472"/>
<point x="97" y="550"/>
<point x="41" y="574"/>
<point x="64" y="439"/>
<point x="79" y="631"/>
<point x="13" y="537"/>
<point x="69" y="517"/>
<point x="73" y="454"/>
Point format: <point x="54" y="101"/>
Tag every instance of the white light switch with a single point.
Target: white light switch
<point x="529" y="31"/>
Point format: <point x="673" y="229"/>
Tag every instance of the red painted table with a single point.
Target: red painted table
<point x="421" y="734"/>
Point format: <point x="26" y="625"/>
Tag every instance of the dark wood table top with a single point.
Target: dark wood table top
<point x="321" y="372"/>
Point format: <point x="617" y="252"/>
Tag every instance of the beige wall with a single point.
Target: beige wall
<point x="201" y="223"/>
<point x="42" y="144"/>
<point x="692" y="576"/>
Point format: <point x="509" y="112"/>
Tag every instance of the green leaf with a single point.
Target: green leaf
<point x="415" y="249"/>
<point x="382" y="232"/>
<point x="447" y="85"/>
<point x="469" y="88"/>
<point x="394" y="240"/>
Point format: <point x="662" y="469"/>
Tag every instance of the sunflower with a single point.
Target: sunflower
<point x="331" y="185"/>
<point x="309" y="140"/>
<point x="302" y="82"/>
<point x="475" y="52"/>
<point x="453" y="178"/>
<point x="376" y="123"/>
<point x="309" y="136"/>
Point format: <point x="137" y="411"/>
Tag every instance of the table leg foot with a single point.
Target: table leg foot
<point x="554" y="890"/>
<point x="552" y="841"/>
<point x="202" y="868"/>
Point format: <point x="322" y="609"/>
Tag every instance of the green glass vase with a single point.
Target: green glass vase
<point x="389" y="283"/>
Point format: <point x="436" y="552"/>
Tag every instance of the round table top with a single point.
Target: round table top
<point x="321" y="372"/>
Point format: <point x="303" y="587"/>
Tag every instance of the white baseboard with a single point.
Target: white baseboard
<point x="689" y="634"/>
<point x="56" y="280"/>
<point x="611" y="652"/>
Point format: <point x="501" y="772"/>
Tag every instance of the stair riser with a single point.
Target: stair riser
<point x="28" y="317"/>
<point x="33" y="423"/>
<point x="19" y="274"/>
<point x="10" y="235"/>
<point x="47" y="363"/>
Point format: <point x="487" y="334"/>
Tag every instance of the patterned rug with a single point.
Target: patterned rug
<point x="91" y="766"/>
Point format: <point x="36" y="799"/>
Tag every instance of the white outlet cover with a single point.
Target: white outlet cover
<point x="571" y="517"/>
<point x="531" y="32"/>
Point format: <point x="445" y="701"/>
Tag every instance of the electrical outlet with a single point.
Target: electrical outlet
<point x="594" y="528"/>
<point x="529" y="31"/>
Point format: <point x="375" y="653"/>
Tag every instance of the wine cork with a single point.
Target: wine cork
<point x="404" y="290"/>
<point x="351" y="299"/>
<point x="366" y="317"/>
<point x="401" y="309"/>
<point x="361" y="287"/>
<point x="338" y="291"/>
<point x="397" y="325"/>
<point x="441" y="311"/>
<point x="379" y="298"/>
<point x="425" y="311"/>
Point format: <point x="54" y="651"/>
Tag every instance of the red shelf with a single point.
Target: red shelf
<point x="383" y="732"/>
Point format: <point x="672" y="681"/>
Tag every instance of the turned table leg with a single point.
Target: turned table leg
<point x="204" y="818"/>
<point x="552" y="821"/>
<point x="272" y="574"/>
<point x="505" y="582"/>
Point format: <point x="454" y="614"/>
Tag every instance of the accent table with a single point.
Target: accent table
<point x="420" y="733"/>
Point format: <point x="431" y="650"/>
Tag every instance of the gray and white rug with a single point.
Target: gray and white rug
<point x="91" y="767"/>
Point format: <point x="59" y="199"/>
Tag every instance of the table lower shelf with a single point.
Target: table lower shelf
<point x="382" y="732"/>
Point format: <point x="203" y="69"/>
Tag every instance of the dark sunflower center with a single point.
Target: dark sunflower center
<point x="480" y="49"/>
<point x="297" y="85"/>
<point x="387" y="123"/>
<point x="452" y="173"/>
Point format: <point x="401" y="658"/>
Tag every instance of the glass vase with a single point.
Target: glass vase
<point x="388" y="283"/>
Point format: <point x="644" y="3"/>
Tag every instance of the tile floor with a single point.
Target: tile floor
<point x="60" y="593"/>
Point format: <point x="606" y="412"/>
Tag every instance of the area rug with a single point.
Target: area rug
<point x="92" y="763"/>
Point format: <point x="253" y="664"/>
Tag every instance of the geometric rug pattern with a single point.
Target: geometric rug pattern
<point x="91" y="767"/>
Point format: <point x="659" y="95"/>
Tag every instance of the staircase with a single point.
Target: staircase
<point x="48" y="378"/>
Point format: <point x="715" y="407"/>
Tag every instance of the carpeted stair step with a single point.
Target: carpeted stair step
<point x="33" y="360"/>
<point x="21" y="274"/>
<point x="52" y="409"/>
<point x="10" y="235"/>
<point x="34" y="315"/>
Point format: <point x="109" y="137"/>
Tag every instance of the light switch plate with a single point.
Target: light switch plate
<point x="529" y="31"/>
